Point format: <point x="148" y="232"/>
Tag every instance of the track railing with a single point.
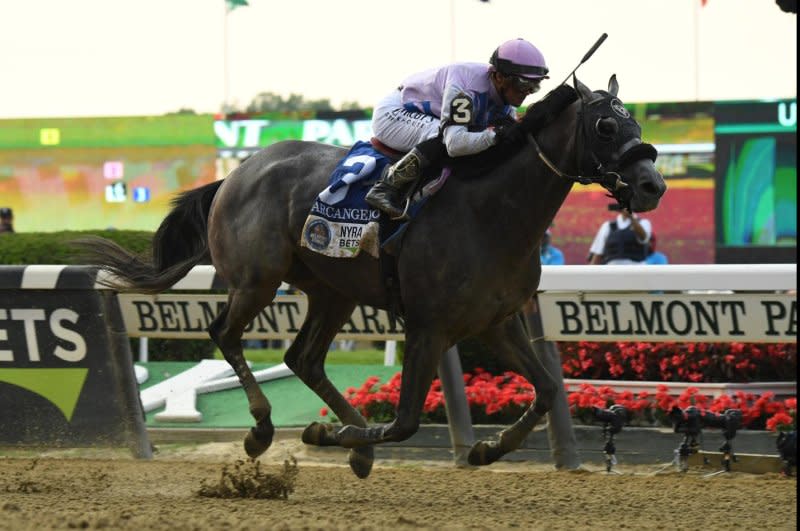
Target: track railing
<point x="59" y="318"/>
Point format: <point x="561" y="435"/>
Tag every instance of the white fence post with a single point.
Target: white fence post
<point x="143" y="352"/>
<point x="390" y="353"/>
<point x="459" y="419"/>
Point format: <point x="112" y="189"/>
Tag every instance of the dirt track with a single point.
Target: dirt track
<point x="103" y="489"/>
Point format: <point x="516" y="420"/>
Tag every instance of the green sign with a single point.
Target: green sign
<point x="237" y="138"/>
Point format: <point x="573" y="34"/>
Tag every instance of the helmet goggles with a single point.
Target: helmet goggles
<point x="525" y="84"/>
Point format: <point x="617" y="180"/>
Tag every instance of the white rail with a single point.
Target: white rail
<point x="736" y="277"/>
<point x="679" y="277"/>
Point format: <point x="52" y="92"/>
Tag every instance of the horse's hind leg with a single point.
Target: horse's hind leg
<point x="327" y="312"/>
<point x="226" y="330"/>
<point x="511" y="343"/>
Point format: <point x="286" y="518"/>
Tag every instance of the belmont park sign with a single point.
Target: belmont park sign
<point x="714" y="317"/>
<point x="566" y="317"/>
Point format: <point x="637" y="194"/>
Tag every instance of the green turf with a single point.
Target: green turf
<point x="335" y="357"/>
<point x="293" y="404"/>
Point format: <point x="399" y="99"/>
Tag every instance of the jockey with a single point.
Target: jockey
<point x="463" y="108"/>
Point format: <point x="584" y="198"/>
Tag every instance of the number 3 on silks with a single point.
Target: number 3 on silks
<point x="461" y="109"/>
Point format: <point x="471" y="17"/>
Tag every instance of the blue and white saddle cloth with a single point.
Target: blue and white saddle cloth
<point x="340" y="223"/>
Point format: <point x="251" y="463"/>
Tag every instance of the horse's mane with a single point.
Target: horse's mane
<point x="536" y="117"/>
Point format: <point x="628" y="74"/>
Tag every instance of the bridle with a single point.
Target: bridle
<point x="611" y="181"/>
<point x="606" y="174"/>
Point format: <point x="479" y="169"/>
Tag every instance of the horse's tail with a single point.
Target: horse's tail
<point x="179" y="244"/>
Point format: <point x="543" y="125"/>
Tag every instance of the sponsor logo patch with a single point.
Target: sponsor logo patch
<point x="619" y="108"/>
<point x="318" y="234"/>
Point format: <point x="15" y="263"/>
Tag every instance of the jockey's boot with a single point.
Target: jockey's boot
<point x="387" y="193"/>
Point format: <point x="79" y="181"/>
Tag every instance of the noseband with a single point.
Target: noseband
<point x="604" y="155"/>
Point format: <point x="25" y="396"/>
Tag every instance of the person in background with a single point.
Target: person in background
<point x="549" y="254"/>
<point x="655" y="257"/>
<point x="622" y="241"/>
<point x="6" y="220"/>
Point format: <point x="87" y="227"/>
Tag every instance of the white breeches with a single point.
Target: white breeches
<point x="399" y="128"/>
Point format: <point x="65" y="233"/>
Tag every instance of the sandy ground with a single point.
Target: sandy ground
<point x="107" y="489"/>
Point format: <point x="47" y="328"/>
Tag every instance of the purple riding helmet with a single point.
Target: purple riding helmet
<point x="521" y="60"/>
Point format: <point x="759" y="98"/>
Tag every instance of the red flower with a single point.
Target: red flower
<point x="780" y="420"/>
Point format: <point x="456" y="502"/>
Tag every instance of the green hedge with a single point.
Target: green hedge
<point x="51" y="248"/>
<point x="54" y="248"/>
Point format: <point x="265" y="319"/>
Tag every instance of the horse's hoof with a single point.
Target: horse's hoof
<point x="256" y="443"/>
<point x="484" y="453"/>
<point x="320" y="434"/>
<point x="361" y="460"/>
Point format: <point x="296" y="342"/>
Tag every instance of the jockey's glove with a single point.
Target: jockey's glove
<point x="545" y="110"/>
<point x="510" y="134"/>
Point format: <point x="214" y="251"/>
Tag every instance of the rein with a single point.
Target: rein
<point x="609" y="180"/>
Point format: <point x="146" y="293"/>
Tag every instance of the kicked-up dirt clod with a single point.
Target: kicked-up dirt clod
<point x="246" y="479"/>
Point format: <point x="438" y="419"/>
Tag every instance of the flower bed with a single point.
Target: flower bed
<point x="680" y="362"/>
<point x="502" y="399"/>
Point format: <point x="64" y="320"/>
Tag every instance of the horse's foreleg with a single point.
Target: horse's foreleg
<point x="226" y="330"/>
<point x="420" y="361"/>
<point x="327" y="312"/>
<point x="511" y="343"/>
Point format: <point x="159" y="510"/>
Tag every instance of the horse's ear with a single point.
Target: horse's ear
<point x="585" y="92"/>
<point x="613" y="85"/>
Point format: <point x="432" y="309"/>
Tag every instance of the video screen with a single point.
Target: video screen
<point x="756" y="197"/>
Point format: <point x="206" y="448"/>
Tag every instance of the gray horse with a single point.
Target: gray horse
<point x="468" y="263"/>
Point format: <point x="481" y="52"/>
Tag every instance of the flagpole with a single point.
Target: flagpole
<point x="697" y="5"/>
<point x="452" y="30"/>
<point x="225" y="67"/>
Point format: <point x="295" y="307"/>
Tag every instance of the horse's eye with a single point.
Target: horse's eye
<point x="606" y="127"/>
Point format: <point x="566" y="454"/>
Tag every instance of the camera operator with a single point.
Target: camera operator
<point x="6" y="220"/>
<point x="621" y="241"/>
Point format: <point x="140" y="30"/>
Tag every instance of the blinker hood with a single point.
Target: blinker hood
<point x="612" y="151"/>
